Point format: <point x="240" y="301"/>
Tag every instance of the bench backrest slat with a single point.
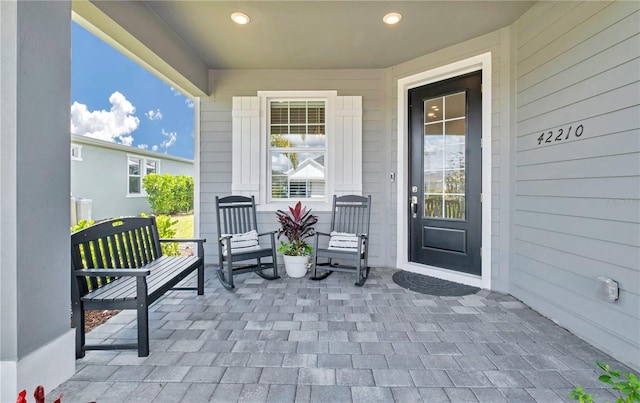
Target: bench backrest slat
<point x="130" y="242"/>
<point x="136" y="234"/>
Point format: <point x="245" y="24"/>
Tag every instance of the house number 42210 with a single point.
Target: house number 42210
<point x="560" y="134"/>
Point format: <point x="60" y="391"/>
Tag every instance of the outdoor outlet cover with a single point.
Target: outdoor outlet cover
<point x="607" y="289"/>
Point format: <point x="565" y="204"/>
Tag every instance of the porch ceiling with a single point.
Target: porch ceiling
<point x="328" y="34"/>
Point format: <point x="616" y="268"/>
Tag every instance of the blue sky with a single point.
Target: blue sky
<point x="115" y="99"/>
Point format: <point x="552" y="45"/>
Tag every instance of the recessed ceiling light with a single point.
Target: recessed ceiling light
<point x="240" y="18"/>
<point x="392" y="18"/>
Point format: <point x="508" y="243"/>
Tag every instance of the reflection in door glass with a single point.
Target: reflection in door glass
<point x="444" y="156"/>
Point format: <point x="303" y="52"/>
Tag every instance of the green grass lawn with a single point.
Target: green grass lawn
<point x="184" y="226"/>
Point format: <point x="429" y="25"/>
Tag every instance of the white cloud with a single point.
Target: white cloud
<point x="143" y="146"/>
<point x="189" y="103"/>
<point x="126" y="140"/>
<point x="113" y="125"/>
<point x="171" y="138"/>
<point x="154" y="148"/>
<point x="175" y="92"/>
<point x="154" y="115"/>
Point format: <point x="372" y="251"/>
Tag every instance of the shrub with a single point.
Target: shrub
<point x="169" y="194"/>
<point x="165" y="230"/>
<point x="82" y="224"/>
<point x="628" y="389"/>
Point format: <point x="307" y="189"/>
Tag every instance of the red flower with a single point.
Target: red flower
<point x="22" y="397"/>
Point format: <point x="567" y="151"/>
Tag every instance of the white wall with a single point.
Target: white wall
<point x="577" y="203"/>
<point x="36" y="343"/>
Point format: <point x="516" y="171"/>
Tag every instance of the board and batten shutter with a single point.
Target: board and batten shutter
<point x="245" y="152"/>
<point x="345" y="150"/>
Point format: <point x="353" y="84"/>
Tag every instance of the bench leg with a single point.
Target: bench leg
<point x="78" y="323"/>
<point x="143" y="329"/>
<point x="143" y="317"/>
<point x="201" y="279"/>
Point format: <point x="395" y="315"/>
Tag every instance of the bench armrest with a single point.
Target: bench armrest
<point x="112" y="272"/>
<point x="322" y="233"/>
<point x="199" y="241"/>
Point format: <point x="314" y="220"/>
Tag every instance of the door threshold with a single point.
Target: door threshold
<point x="443" y="274"/>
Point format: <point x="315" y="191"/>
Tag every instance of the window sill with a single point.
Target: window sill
<point x="135" y="196"/>
<point x="316" y="206"/>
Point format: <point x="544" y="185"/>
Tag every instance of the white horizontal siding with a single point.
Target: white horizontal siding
<point x="577" y="202"/>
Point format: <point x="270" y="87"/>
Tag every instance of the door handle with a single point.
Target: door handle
<point x="414" y="206"/>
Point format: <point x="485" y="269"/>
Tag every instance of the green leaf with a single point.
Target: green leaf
<point x="605" y="379"/>
<point x="580" y="395"/>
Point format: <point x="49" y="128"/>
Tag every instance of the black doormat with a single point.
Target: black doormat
<point x="431" y="285"/>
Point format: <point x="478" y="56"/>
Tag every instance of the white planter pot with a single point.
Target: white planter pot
<point x="296" y="266"/>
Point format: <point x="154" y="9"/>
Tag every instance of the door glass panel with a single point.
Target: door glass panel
<point x="444" y="157"/>
<point x="455" y="130"/>
<point x="433" y="110"/>
<point x="455" y="105"/>
<point x="454" y="182"/>
<point x="454" y="207"/>
<point x="434" y="129"/>
<point x="433" y="182"/>
<point x="433" y="206"/>
<point x="433" y="160"/>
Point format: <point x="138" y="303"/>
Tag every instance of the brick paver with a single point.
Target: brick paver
<point x="296" y="340"/>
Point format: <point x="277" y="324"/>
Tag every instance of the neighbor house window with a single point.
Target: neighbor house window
<point x="296" y="145"/>
<point x="76" y="152"/>
<point x="138" y="167"/>
<point x="297" y="149"/>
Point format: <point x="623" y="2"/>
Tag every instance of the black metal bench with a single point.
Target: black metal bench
<point x="118" y="264"/>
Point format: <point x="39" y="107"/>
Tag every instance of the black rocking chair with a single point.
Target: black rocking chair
<point x="238" y="241"/>
<point x="348" y="240"/>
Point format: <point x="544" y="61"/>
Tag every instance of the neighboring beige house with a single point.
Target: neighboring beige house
<point x="523" y="117"/>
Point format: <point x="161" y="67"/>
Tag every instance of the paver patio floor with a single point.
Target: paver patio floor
<point x="299" y="340"/>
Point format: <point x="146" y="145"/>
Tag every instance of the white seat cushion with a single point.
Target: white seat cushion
<point x="245" y="242"/>
<point x="344" y="241"/>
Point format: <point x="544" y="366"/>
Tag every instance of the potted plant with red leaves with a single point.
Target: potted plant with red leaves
<point x="296" y="225"/>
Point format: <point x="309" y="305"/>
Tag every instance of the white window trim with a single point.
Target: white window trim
<point x="480" y="62"/>
<point x="78" y="156"/>
<point x="143" y="173"/>
<point x="267" y="96"/>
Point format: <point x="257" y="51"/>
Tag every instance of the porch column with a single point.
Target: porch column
<point x="36" y="342"/>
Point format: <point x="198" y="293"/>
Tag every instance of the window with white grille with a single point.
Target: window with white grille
<point x="296" y="145"/>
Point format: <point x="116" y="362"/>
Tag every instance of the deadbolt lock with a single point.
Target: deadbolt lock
<point x="414" y="206"/>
